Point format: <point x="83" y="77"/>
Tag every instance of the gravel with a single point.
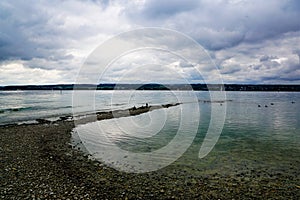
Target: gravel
<point x="38" y="162"/>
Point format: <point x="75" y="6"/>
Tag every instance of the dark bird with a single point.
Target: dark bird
<point x="258" y="105"/>
<point x="266" y="106"/>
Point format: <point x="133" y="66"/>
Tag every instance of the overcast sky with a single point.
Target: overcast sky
<point x="250" y="41"/>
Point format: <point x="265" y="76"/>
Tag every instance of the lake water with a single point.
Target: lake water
<point x="253" y="137"/>
<point x="22" y="106"/>
<point x="261" y="131"/>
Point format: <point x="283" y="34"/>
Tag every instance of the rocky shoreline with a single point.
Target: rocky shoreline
<point x="38" y="162"/>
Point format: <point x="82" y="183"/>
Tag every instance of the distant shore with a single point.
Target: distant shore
<point x="175" y="87"/>
<point x="38" y="162"/>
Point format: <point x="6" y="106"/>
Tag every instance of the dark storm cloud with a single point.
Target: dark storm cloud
<point x="22" y="26"/>
<point x="51" y="38"/>
<point x="31" y="29"/>
<point x="254" y="39"/>
<point x="222" y="24"/>
<point x="266" y="58"/>
<point x="230" y="70"/>
<point x="297" y="52"/>
<point x="157" y="9"/>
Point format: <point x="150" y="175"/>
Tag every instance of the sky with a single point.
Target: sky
<point x="249" y="41"/>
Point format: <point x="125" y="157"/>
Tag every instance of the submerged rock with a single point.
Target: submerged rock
<point x="43" y="121"/>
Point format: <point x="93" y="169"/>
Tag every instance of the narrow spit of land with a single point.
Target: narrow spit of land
<point x="38" y="162"/>
<point x="119" y="113"/>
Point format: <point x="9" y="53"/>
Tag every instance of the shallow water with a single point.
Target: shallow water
<point x="22" y="106"/>
<point x="263" y="138"/>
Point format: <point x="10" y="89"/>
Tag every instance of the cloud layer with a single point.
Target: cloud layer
<point x="250" y="41"/>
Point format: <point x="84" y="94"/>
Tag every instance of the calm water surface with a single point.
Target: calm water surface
<point x="253" y="137"/>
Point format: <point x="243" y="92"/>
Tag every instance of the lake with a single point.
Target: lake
<point x="261" y="130"/>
